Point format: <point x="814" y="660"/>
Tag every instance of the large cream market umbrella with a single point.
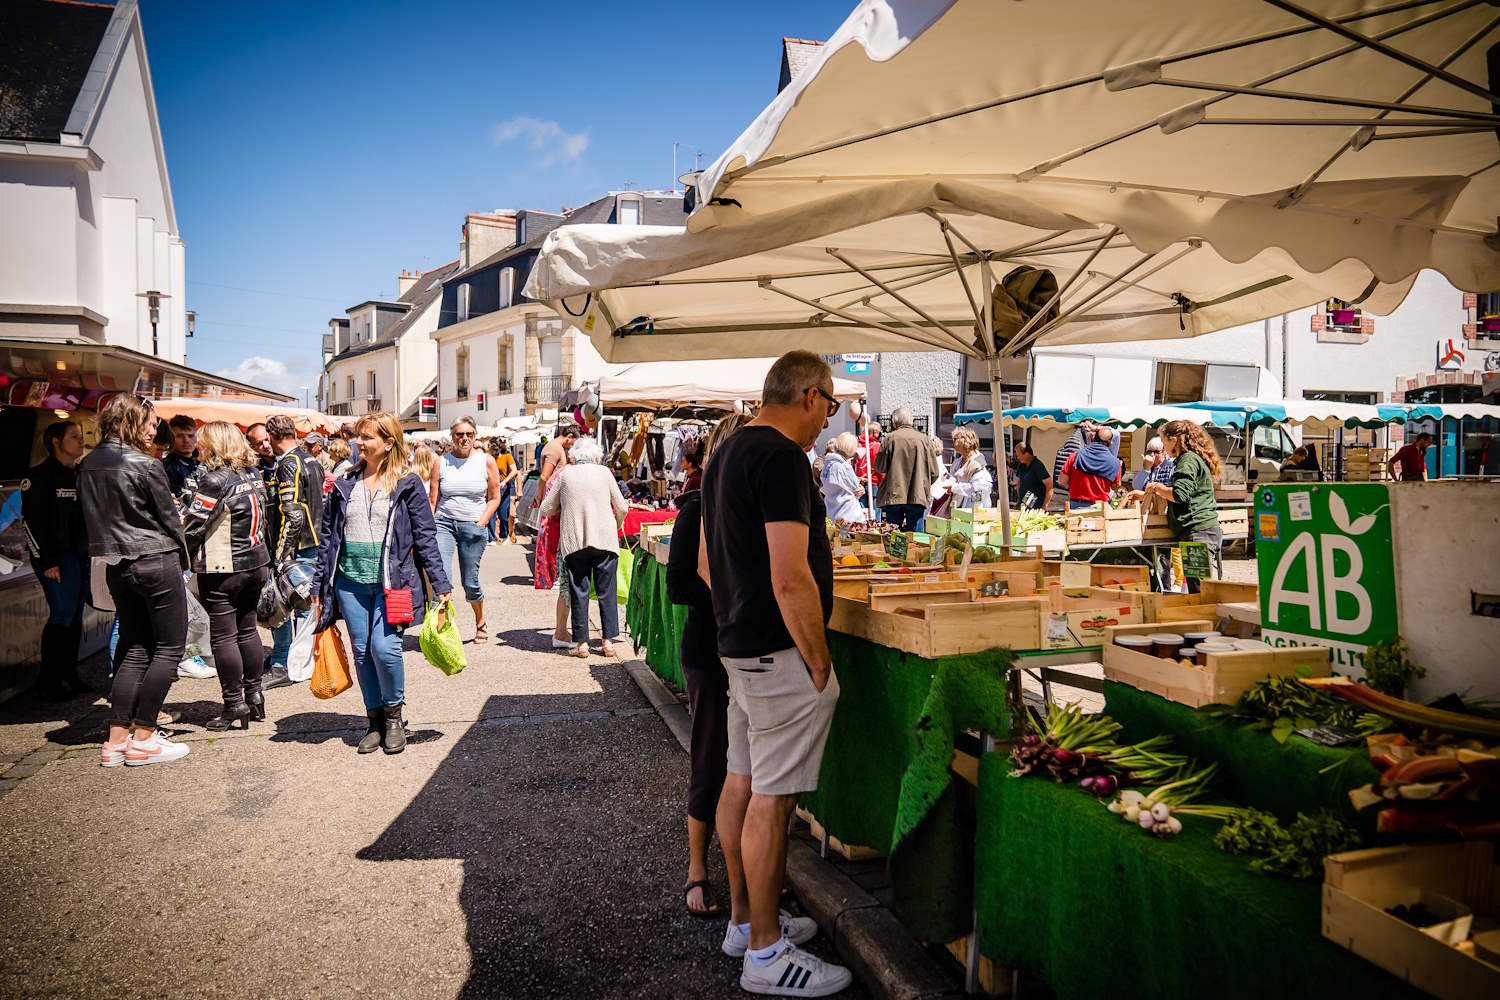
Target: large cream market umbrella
<point x="936" y="149"/>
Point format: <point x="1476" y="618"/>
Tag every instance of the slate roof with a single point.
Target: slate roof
<point x="46" y="48"/>
<point x="422" y="292"/>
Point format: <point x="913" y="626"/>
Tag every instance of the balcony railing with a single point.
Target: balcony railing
<point x="545" y="388"/>
<point x="354" y="407"/>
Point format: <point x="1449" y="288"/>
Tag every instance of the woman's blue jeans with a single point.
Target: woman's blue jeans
<point x="377" y="644"/>
<point x="468" y="540"/>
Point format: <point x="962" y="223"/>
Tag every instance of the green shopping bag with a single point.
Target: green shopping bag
<point x="622" y="575"/>
<point x="443" y="647"/>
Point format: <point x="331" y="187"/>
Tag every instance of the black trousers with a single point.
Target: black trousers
<point x="708" y="748"/>
<point x="1213" y="537"/>
<point x="151" y="603"/>
<point x="230" y="599"/>
<point x="598" y="567"/>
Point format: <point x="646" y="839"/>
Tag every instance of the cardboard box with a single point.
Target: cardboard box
<point x="1077" y="628"/>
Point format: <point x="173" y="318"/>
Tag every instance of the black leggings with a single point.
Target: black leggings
<point x="151" y="603"/>
<point x="239" y="657"/>
<point x="708" y="705"/>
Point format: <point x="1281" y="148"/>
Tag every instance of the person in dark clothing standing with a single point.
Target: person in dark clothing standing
<point x="259" y="440"/>
<point x="182" y="461"/>
<point x="50" y="507"/>
<point x="767" y="561"/>
<point x="299" y="503"/>
<point x="134" y="526"/>
<point x="702" y="671"/>
<point x="225" y="534"/>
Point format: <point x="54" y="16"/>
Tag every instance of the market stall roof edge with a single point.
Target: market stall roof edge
<point x="1237" y="413"/>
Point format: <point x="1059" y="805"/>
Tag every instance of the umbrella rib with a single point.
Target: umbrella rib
<point x="1429" y="133"/>
<point x="1296" y="194"/>
<point x="1350" y="102"/>
<point x="1052" y="164"/>
<point x="1376" y="45"/>
<point x="916" y="333"/>
<point x="832" y="252"/>
<point x="1013" y="343"/>
<point x="840" y="312"/>
<point x="860" y="290"/>
<point x="1208" y="50"/>
<point x="1094" y="297"/>
<point x="958" y="269"/>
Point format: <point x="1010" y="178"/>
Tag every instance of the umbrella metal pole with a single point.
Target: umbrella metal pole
<point x="864" y="407"/>
<point x="1002" y="478"/>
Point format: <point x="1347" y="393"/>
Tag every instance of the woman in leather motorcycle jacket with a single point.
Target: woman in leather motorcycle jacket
<point x="226" y="538"/>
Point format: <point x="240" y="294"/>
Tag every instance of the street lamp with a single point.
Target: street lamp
<point x="154" y="299"/>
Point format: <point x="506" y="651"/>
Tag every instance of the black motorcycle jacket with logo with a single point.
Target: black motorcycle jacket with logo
<point x="52" y="512"/>
<point x="299" y="487"/>
<point x="225" y="521"/>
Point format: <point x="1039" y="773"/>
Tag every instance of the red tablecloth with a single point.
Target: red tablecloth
<point x="635" y="518"/>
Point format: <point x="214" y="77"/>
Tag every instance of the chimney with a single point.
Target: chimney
<point x="405" y="280"/>
<point x="484" y="235"/>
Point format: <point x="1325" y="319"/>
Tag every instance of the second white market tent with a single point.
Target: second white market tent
<point x="720" y="383"/>
<point x="1225" y="162"/>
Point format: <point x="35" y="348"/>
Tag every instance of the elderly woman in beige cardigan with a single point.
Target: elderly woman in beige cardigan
<point x="590" y="509"/>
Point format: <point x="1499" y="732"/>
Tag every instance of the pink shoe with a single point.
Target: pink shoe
<point x="113" y="754"/>
<point x="155" y="750"/>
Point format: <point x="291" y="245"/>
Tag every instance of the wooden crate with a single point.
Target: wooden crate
<point x="1123" y="525"/>
<point x="1071" y="573"/>
<point x="1084" y="628"/>
<point x="946" y="629"/>
<point x="994" y="980"/>
<point x="1086" y="529"/>
<point x="661" y="549"/>
<point x="1234" y="520"/>
<point x="1154" y="528"/>
<point x="1359" y="885"/>
<point x="900" y="597"/>
<point x="849" y="852"/>
<point x="1221" y="679"/>
<point x="651" y="532"/>
<point x="1053" y="540"/>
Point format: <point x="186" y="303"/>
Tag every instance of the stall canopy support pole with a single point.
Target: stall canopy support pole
<point x="864" y="411"/>
<point x="992" y="358"/>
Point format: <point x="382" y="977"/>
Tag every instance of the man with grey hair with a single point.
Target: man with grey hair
<point x="766" y="558"/>
<point x="909" y="467"/>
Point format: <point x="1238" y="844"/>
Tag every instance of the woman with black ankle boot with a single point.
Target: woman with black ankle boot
<point x="226" y="538"/>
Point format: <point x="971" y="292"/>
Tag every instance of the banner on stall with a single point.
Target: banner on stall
<point x="1327" y="567"/>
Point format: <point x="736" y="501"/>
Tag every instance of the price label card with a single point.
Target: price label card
<point x="1195" y="560"/>
<point x="939" y="550"/>
<point x="995" y="588"/>
<point x="1057" y="627"/>
<point x="963" y="567"/>
<point x="1331" y="736"/>
<point x="896" y="544"/>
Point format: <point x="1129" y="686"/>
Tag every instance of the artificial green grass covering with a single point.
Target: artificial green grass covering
<point x="886" y="780"/>
<point x="1255" y="770"/>
<point x="1099" y="908"/>
<point x="655" y="623"/>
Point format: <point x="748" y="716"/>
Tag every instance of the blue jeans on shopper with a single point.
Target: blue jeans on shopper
<point x="468" y="540"/>
<point x="377" y="644"/>
<point x="905" y="516"/>
<point x="281" y="637"/>
<point x="500" y="523"/>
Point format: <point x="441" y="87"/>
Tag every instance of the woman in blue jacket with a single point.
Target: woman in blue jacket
<point x="378" y="539"/>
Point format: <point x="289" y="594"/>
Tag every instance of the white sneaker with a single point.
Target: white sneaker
<point x="794" y="973"/>
<point x="156" y="750"/>
<point x="194" y="667"/>
<point x="797" y="930"/>
<point x="113" y="754"/>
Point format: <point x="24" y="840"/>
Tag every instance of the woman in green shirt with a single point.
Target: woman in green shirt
<point x="1192" y="512"/>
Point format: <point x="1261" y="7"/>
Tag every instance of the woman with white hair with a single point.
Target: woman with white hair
<point x="590" y="509"/>
<point x="841" y="487"/>
<point x="968" y="477"/>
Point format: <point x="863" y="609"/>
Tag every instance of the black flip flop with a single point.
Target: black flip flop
<point x="711" y="911"/>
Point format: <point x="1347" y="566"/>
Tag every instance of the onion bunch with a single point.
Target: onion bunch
<point x="1160" y="811"/>
<point x="1066" y="743"/>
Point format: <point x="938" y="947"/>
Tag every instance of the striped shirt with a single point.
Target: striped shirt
<point x="364" y="534"/>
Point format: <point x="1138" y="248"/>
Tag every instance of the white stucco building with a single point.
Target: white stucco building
<point x="89" y="231"/>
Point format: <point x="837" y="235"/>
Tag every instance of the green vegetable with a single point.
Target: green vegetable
<point x="1387" y="668"/>
<point x="1296" y="851"/>
<point x="1283" y="705"/>
<point x="983" y="554"/>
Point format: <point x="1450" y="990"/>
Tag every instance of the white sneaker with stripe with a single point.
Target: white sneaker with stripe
<point x="794" y="973"/>
<point x="798" y="930"/>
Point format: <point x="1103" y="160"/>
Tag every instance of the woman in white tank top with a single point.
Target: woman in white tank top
<point x="465" y="492"/>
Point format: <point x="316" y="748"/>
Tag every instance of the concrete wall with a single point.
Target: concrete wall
<point x="915" y="380"/>
<point x="39" y="250"/>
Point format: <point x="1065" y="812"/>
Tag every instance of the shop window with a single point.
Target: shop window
<point x="1340" y="322"/>
<point x="1178" y="383"/>
<point x="461" y="364"/>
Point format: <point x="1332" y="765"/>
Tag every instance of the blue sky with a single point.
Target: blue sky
<point x="316" y="149"/>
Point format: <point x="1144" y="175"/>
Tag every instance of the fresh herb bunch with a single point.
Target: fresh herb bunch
<point x="1283" y="705"/>
<point x="1388" y="669"/>
<point x="1296" y="851"/>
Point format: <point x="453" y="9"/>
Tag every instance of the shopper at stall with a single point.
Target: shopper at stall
<point x="224" y="526"/>
<point x="767" y="561"/>
<point x="299" y="513"/>
<point x="702" y="670"/>
<point x="1192" y="512"/>
<point x="134" y="527"/>
<point x="338" y="457"/>
<point x="503" y="524"/>
<point x="967" y="478"/>
<point x="1092" y="472"/>
<point x="590" y="510"/>
<point x="842" y="490"/>
<point x="552" y="458"/>
<point x="465" y="493"/>
<point x="1034" y="485"/>
<point x="50" y="507"/>
<point x="1409" y="464"/>
<point x="182" y="461"/>
<point x="374" y="510"/>
<point x="906" y="462"/>
<point x="865" y="456"/>
<point x="424" y="464"/>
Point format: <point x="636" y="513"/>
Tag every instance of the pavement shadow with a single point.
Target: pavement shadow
<point x="536" y="640"/>
<point x="320" y="727"/>
<point x="517" y="581"/>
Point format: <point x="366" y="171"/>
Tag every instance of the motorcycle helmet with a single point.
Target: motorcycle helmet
<point x="296" y="585"/>
<point x="270" y="609"/>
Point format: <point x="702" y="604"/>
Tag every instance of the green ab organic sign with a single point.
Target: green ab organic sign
<point x="1327" y="570"/>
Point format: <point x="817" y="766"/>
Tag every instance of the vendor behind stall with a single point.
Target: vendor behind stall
<point x="1092" y="471"/>
<point x="1409" y="464"/>
<point x="50" y="507"/>
<point x="1192" y="512"/>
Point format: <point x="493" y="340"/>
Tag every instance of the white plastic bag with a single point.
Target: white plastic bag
<point x="198" y="642"/>
<point x="299" y="660"/>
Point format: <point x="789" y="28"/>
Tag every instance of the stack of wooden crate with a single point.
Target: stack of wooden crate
<point x="1363" y="465"/>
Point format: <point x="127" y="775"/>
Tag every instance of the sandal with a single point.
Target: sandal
<point x="481" y="635"/>
<point x="607" y="649"/>
<point x="711" y="909"/>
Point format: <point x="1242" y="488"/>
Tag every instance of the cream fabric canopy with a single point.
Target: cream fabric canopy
<point x="703" y="383"/>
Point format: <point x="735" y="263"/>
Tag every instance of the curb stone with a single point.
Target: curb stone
<point x="888" y="960"/>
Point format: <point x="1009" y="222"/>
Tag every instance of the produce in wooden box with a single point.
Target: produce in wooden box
<point x="1454" y="790"/>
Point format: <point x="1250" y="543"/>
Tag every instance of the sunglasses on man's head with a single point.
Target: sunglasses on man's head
<point x="833" y="404"/>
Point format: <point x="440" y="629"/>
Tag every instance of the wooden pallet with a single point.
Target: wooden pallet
<point x="849" y="852"/>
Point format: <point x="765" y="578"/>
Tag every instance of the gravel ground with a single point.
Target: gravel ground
<point x="528" y="843"/>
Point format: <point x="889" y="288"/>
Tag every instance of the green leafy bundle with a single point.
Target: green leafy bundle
<point x="1284" y="705"/>
<point x="1296" y="851"/>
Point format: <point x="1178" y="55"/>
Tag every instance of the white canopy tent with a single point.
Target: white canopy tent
<point x="934" y="147"/>
<point x="700" y="383"/>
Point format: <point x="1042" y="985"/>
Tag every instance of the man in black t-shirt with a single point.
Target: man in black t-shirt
<point x="1034" y="486"/>
<point x="765" y="555"/>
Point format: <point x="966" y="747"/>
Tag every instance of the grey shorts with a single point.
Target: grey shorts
<point x="778" y="722"/>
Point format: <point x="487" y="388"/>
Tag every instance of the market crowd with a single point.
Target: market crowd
<point x="167" y="523"/>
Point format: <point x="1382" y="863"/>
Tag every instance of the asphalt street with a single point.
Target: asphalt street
<point x="529" y="842"/>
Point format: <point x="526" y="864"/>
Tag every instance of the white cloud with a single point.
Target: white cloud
<point x="268" y="373"/>
<point x="546" y="139"/>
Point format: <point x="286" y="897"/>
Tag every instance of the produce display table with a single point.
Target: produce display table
<point x="635" y="518"/>
<point x="1099" y="908"/>
<point x="1283" y="778"/>
<point x="654" y="622"/>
